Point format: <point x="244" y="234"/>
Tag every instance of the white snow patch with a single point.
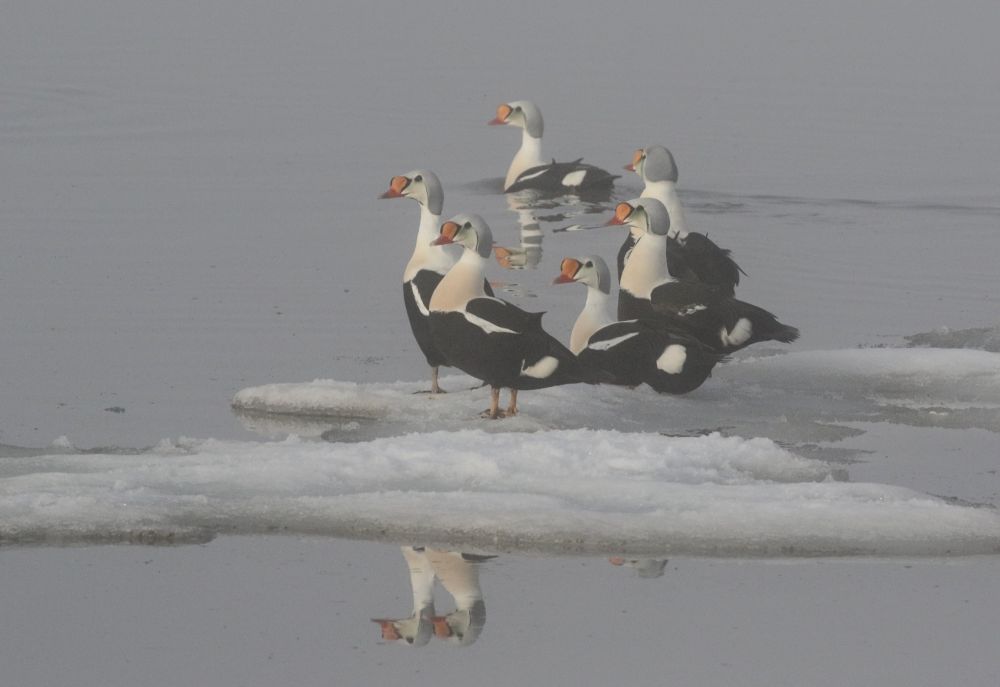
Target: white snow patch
<point x="62" y="442"/>
<point x="578" y="490"/>
<point x="796" y="397"/>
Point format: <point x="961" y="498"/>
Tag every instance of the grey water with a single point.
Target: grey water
<point x="187" y="207"/>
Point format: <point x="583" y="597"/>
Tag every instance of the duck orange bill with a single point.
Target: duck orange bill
<point x="569" y="267"/>
<point x="441" y="627"/>
<point x="389" y="631"/>
<point x="396" y="187"/>
<point x="622" y="213"/>
<point x="448" y="231"/>
<point x="503" y="112"/>
<point x="636" y="159"/>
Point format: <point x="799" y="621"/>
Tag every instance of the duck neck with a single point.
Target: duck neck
<point x="647" y="266"/>
<point x="666" y="193"/>
<point x="462" y="283"/>
<point x="425" y="256"/>
<point x="528" y="155"/>
<point x="421" y="579"/>
<point x="458" y="576"/>
<point x="596" y="313"/>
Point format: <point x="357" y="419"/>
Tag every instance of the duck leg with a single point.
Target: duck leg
<point x="494" y="412"/>
<point x="435" y="388"/>
<point x="512" y="406"/>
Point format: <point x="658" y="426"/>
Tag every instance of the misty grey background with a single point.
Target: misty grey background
<point x="187" y="189"/>
<point x="187" y="207"/>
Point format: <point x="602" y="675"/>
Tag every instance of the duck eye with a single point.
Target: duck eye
<point x="418" y="178"/>
<point x="589" y="264"/>
<point x="517" y="109"/>
<point x="467" y="225"/>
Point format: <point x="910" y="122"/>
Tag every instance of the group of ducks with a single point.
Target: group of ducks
<point x="676" y="312"/>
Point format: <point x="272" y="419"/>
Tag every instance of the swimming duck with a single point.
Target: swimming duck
<point x="529" y="170"/>
<point x="648" y="289"/>
<point x="633" y="351"/>
<point x="489" y="338"/>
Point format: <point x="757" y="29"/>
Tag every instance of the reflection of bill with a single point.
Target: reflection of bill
<point x="529" y="253"/>
<point x="644" y="567"/>
<point x="416" y="629"/>
<point x="458" y="573"/>
<point x="533" y="209"/>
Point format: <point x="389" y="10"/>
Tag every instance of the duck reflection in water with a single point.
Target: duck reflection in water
<point x="458" y="573"/>
<point x="534" y="208"/>
<point x="644" y="567"/>
<point x="529" y="253"/>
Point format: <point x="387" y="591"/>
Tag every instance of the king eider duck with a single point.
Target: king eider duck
<point x="489" y="338"/>
<point x="633" y="351"/>
<point x="690" y="255"/>
<point x="427" y="265"/>
<point x="719" y="321"/>
<point x="529" y="170"/>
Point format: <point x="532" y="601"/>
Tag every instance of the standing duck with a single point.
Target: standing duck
<point x="427" y="265"/>
<point x="489" y="338"/>
<point x="529" y="170"/>
<point x="648" y="290"/>
<point x="633" y="351"/>
<point x="690" y="255"/>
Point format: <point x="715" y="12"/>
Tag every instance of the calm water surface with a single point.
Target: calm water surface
<point x="187" y="207"/>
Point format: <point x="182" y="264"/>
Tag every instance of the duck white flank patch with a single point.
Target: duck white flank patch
<point x="672" y="359"/>
<point x="540" y="370"/>
<point x="574" y="178"/>
<point x="741" y="331"/>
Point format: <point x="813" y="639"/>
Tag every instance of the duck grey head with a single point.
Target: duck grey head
<point x="422" y="186"/>
<point x="644" y="214"/>
<point x="654" y="163"/>
<point x="590" y="270"/>
<point x="521" y="113"/>
<point x="471" y="231"/>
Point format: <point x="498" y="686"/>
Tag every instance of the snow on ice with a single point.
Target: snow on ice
<point x="580" y="491"/>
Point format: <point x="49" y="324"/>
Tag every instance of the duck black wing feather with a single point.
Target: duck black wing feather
<point x="416" y="299"/>
<point x="562" y="177"/>
<point x="715" y="318"/>
<point x="698" y="257"/>
<point x="505" y="315"/>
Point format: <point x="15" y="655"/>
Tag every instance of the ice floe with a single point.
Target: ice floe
<point x="573" y="491"/>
